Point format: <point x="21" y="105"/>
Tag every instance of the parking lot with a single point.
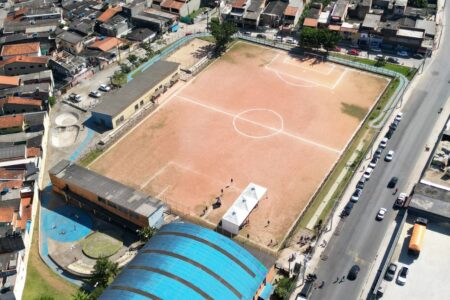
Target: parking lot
<point x="428" y="275"/>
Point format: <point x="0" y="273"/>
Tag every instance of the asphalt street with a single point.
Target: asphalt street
<point x="359" y="239"/>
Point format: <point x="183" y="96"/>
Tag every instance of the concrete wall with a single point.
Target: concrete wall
<point x="189" y="7"/>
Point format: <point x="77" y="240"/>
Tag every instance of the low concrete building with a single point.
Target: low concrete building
<point x="70" y="42"/>
<point x="12" y="124"/>
<point x="105" y="197"/>
<point x="13" y="105"/>
<point x="25" y="49"/>
<point x="117" y="26"/>
<point x="339" y="12"/>
<point x="273" y="13"/>
<point x="9" y="81"/>
<point x="154" y="19"/>
<point x="144" y="88"/>
<point x="20" y="65"/>
<point x="180" y="7"/>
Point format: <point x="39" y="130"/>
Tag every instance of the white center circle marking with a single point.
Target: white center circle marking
<point x="274" y="130"/>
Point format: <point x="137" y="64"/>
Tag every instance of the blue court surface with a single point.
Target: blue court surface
<point x="67" y="224"/>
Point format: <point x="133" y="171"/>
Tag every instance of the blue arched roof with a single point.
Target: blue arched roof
<point x="186" y="261"/>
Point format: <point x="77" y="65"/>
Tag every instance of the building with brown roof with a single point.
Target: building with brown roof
<point x="9" y="81"/>
<point x="25" y="49"/>
<point x="13" y="105"/>
<point x="106" y="44"/>
<point x="180" y="7"/>
<point x="20" y="65"/>
<point x="109" y="13"/>
<point x="11" y="124"/>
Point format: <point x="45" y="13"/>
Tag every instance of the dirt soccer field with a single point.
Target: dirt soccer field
<point x="255" y="115"/>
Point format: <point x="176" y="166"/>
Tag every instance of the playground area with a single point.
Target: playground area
<point x="255" y="115"/>
<point x="191" y="53"/>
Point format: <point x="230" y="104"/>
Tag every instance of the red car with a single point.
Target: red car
<point x="353" y="52"/>
<point x="188" y="33"/>
<point x="338" y="49"/>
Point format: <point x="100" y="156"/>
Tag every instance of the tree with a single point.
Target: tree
<point x="81" y="295"/>
<point x="124" y="68"/>
<point x="315" y="38"/>
<point x="133" y="59"/>
<point x="96" y="293"/>
<point x="222" y="33"/>
<point x="418" y="3"/>
<point x="119" y="78"/>
<point x="146" y="233"/>
<point x="51" y="100"/>
<point x="104" y="272"/>
<point x="282" y="288"/>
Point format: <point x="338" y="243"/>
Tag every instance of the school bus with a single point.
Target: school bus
<point x="418" y="234"/>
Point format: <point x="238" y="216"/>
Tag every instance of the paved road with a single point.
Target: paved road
<point x="361" y="235"/>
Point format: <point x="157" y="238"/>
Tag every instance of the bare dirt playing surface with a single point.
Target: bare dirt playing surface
<point x="255" y="115"/>
<point x="191" y="53"/>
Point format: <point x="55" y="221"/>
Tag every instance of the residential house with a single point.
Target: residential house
<point x="109" y="44"/>
<point x="34" y="14"/>
<point x="23" y="65"/>
<point x="9" y="81"/>
<point x="83" y="27"/>
<point x="273" y="13"/>
<point x="70" y="42"/>
<point x="399" y="7"/>
<point x="66" y="65"/>
<point x="13" y="105"/>
<point x="35" y="90"/>
<point x="117" y="26"/>
<point x="370" y="32"/>
<point x="312" y="17"/>
<point x="359" y="8"/>
<point x="429" y="26"/>
<point x="253" y="13"/>
<point x="350" y="32"/>
<point x="45" y="39"/>
<point x="238" y="8"/>
<point x="25" y="49"/>
<point x="38" y="77"/>
<point x="156" y="20"/>
<point x="324" y="19"/>
<point x="108" y="14"/>
<point x="402" y="34"/>
<point x="181" y="8"/>
<point x="77" y="10"/>
<point x="12" y="124"/>
<point x="291" y="16"/>
<point x="142" y="35"/>
<point x="339" y="12"/>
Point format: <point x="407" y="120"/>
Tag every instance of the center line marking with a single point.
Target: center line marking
<point x="283" y="132"/>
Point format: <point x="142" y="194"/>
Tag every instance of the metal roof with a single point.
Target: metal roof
<point x="12" y="152"/>
<point x="141" y="84"/>
<point x="186" y="261"/>
<point x="113" y="191"/>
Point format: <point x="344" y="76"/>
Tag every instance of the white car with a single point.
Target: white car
<point x="401" y="200"/>
<point x="398" y="117"/>
<point x="279" y="38"/>
<point x="104" y="88"/>
<point x="367" y="173"/>
<point x="95" y="94"/>
<point x="356" y="194"/>
<point x="389" y="156"/>
<point x="289" y="40"/>
<point x="381" y="213"/>
<point x="383" y="142"/>
<point x="373" y="163"/>
<point x="401" y="278"/>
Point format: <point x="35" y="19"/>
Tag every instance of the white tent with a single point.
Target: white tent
<point x="242" y="207"/>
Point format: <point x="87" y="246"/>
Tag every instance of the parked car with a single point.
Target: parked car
<point x="402" y="53"/>
<point x="393" y="182"/>
<point x="390" y="272"/>
<point x="356" y="194"/>
<point x="261" y="36"/>
<point x="360" y="184"/>
<point x="373" y="162"/>
<point x="104" y="88"/>
<point x="247" y="33"/>
<point x="95" y="94"/>
<point x="306" y="291"/>
<point x="338" y="49"/>
<point x="353" y="273"/>
<point x="401" y="278"/>
<point x="418" y="56"/>
<point x="398" y="117"/>
<point x="188" y="33"/>
<point x="379" y="57"/>
<point x="381" y="213"/>
<point x="378" y="153"/>
<point x="75" y="97"/>
<point x="401" y="199"/>
<point x="289" y="40"/>
<point x="393" y="60"/>
<point x="383" y="142"/>
<point x="367" y="173"/>
<point x="353" y="52"/>
<point x="389" y="133"/>
<point x="347" y="209"/>
<point x="279" y="38"/>
<point x="389" y="156"/>
<point x="393" y="125"/>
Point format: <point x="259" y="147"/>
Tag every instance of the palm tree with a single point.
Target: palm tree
<point x="146" y="233"/>
<point x="81" y="295"/>
<point x="104" y="272"/>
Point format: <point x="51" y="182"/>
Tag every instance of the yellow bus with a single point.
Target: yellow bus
<point x="417" y="237"/>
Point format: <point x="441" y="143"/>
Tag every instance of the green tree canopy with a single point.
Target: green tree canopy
<point x="146" y="233"/>
<point x="317" y="37"/>
<point x="104" y="272"/>
<point x="81" y="295"/>
<point x="222" y="33"/>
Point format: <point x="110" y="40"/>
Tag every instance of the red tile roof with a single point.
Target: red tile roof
<point x="6" y="214"/>
<point x="11" y="121"/>
<point x="25" y="59"/>
<point x="238" y="3"/>
<point x="7" y="174"/>
<point x="109" y="13"/>
<point x="290" y="11"/>
<point x="9" y="80"/>
<point x="172" y="4"/>
<point x="310" y="22"/>
<point x="25" y="203"/>
<point x="20" y="49"/>
<point x="106" y="44"/>
<point x="33" y="152"/>
<point x="11" y="184"/>
<point x="23" y="101"/>
<point x="334" y="27"/>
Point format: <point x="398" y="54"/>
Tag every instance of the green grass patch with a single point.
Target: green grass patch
<point x="207" y="38"/>
<point x="41" y="281"/>
<point x="406" y="71"/>
<point x="90" y="157"/>
<point x="353" y="110"/>
<point x="364" y="135"/>
<point x="101" y="244"/>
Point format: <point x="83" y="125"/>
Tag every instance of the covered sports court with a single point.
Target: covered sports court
<point x="255" y="115"/>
